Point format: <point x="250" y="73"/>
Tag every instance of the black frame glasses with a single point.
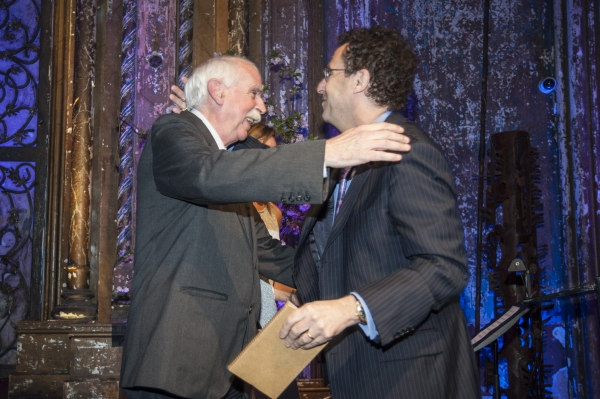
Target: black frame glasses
<point x="327" y="72"/>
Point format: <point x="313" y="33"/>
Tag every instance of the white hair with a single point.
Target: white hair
<point x="224" y="68"/>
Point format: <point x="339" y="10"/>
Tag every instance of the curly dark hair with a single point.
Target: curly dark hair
<point x="387" y="57"/>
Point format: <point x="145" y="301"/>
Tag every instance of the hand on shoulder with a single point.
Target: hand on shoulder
<point x="374" y="142"/>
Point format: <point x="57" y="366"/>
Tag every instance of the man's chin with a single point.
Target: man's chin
<point x="247" y="125"/>
<point x="242" y="135"/>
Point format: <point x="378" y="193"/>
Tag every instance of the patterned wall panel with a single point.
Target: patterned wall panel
<point x="19" y="81"/>
<point x="17" y="181"/>
<point x="19" y="69"/>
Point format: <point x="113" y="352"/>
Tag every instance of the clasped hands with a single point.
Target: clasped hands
<point x="317" y="322"/>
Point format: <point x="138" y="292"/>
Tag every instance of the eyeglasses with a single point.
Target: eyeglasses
<point x="327" y="72"/>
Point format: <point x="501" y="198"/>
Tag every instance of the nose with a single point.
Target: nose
<point x="260" y="105"/>
<point x="321" y="86"/>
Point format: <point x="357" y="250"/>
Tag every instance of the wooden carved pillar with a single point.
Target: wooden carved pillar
<point x="210" y="21"/>
<point x="149" y="66"/>
<point x="238" y="27"/>
<point x="77" y="295"/>
<point x="126" y="149"/>
<point x="185" y="35"/>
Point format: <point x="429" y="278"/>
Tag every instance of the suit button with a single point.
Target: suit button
<point x="311" y="239"/>
<point x="292" y="198"/>
<point x="397" y="335"/>
<point x="250" y="310"/>
<point x="307" y="198"/>
<point x="299" y="197"/>
<point x="283" y="198"/>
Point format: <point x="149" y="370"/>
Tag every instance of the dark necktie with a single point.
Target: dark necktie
<point x="343" y="184"/>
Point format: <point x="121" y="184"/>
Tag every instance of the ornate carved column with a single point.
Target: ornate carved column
<point x="126" y="162"/>
<point x="185" y="39"/>
<point x="238" y="27"/>
<point x="210" y="29"/>
<point x="147" y="59"/>
<point x="77" y="295"/>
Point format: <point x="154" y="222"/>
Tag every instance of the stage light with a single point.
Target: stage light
<point x="547" y="85"/>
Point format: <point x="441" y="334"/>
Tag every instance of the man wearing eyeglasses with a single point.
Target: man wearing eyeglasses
<point x="381" y="265"/>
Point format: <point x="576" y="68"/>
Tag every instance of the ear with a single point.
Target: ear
<point x="362" y="79"/>
<point x="215" y="90"/>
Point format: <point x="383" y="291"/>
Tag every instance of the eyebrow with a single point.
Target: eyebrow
<point x="256" y="90"/>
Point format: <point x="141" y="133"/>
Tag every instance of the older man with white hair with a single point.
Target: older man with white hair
<point x="199" y="243"/>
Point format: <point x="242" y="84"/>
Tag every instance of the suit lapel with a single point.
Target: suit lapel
<point x="358" y="181"/>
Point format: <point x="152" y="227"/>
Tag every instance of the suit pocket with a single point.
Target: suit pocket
<point x="208" y="294"/>
<point x="421" y="343"/>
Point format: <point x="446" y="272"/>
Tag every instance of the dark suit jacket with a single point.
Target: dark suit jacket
<point x="196" y="294"/>
<point x="398" y="242"/>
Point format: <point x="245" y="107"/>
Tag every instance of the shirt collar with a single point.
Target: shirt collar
<point x="383" y="117"/>
<point x="210" y="128"/>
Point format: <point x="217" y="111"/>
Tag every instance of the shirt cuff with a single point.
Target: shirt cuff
<point x="369" y="329"/>
<point x="325" y="174"/>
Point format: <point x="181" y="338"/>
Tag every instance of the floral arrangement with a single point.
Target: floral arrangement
<point x="285" y="118"/>
<point x="293" y="217"/>
<point x="292" y="126"/>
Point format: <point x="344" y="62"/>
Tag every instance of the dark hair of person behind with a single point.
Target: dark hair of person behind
<point x="388" y="58"/>
<point x="262" y="132"/>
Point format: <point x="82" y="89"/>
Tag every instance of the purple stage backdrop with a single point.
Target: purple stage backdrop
<point x="527" y="42"/>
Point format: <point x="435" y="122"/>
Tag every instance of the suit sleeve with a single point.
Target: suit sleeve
<point x="422" y="208"/>
<point x="187" y="168"/>
<point x="275" y="261"/>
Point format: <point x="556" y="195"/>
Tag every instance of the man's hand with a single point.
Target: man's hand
<point x="366" y="143"/>
<point x="178" y="97"/>
<point x="317" y="322"/>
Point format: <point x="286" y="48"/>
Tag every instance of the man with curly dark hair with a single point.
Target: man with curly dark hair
<point x="391" y="63"/>
<point x="380" y="267"/>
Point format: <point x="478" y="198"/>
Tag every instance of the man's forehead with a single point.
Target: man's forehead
<point x="252" y="85"/>
<point x="250" y="78"/>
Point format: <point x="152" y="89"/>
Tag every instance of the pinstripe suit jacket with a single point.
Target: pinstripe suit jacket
<point x="398" y="242"/>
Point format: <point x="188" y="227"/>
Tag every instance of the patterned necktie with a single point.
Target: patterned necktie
<point x="343" y="184"/>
